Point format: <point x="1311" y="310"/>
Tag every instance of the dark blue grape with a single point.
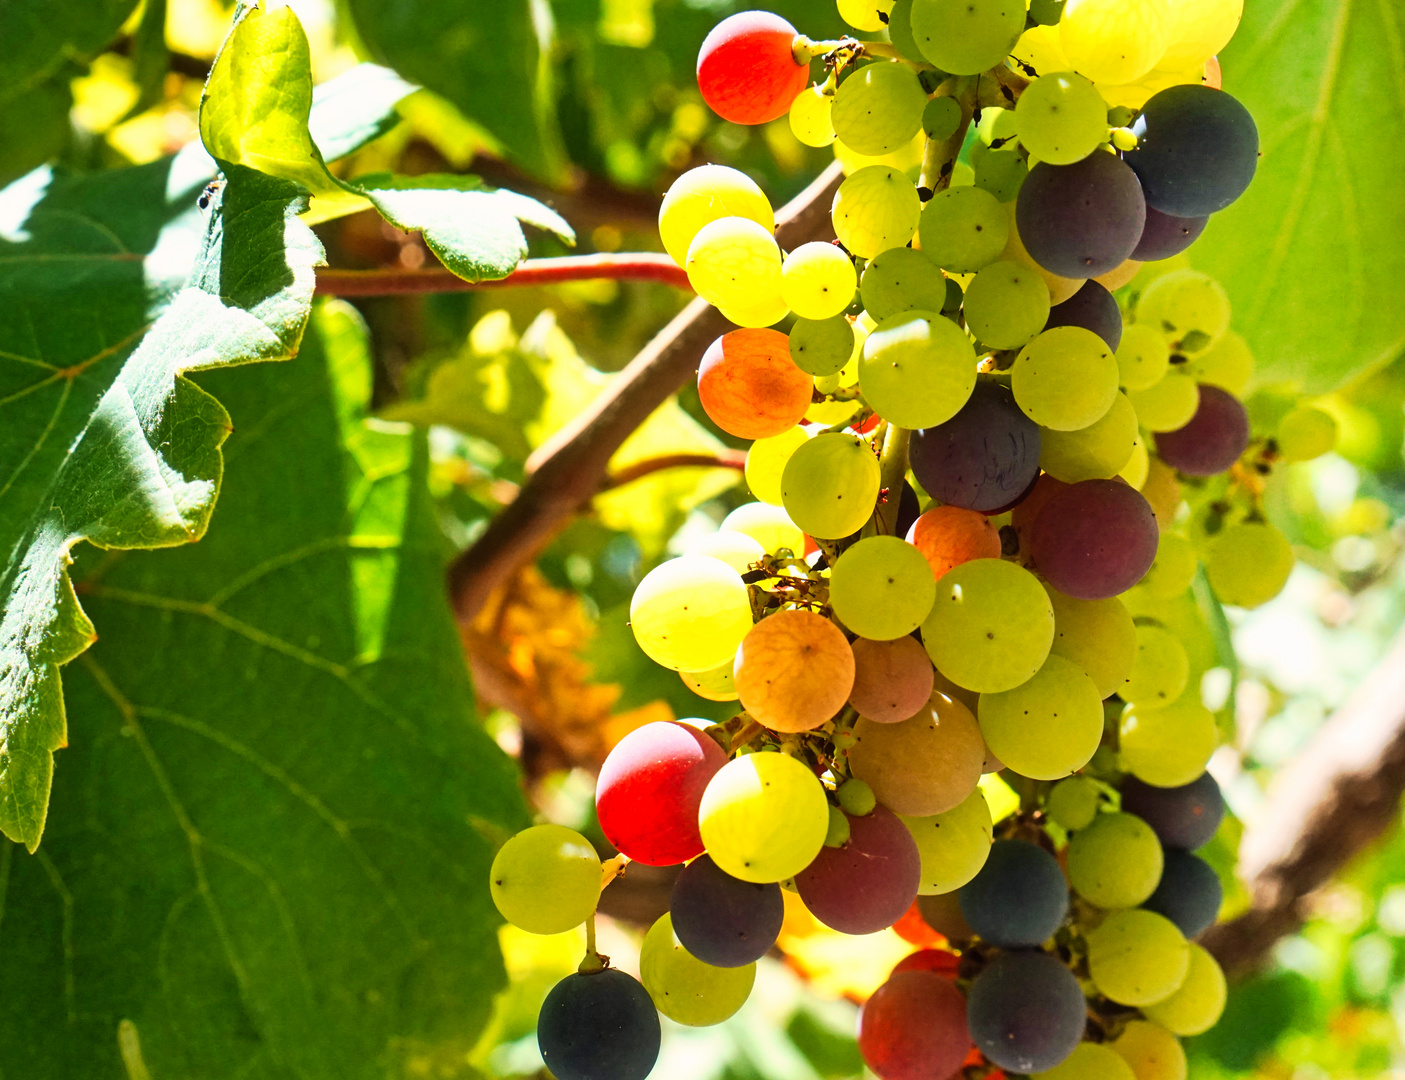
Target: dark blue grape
<point x="601" y="1026"/>
<point x="1081" y="220"/>
<point x="1165" y="235"/>
<point x="1026" y="1012"/>
<point x="722" y="920"/>
<point x="984" y="457"/>
<point x="909" y="508"/>
<point x="1197" y="148"/>
<point x="1189" y="894"/>
<point x="1213" y="440"/>
<point x="1093" y="308"/>
<point x="1183" y="817"/>
<point x="1019" y="898"/>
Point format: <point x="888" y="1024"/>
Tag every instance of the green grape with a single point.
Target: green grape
<point x="822" y="347"/>
<point x="1000" y="172"/>
<point x="900" y="32"/>
<point x="901" y="279"/>
<point x="546" y="879"/>
<point x="876" y="208"/>
<point x="737" y="550"/>
<point x="1095" y="452"/>
<point x="1185" y="302"/>
<point x="1113" y="41"/>
<point x="1248" y="564"/>
<point x="996" y="125"/>
<point x="966" y="37"/>
<point x="865" y="15"/>
<point x="1196" y="30"/>
<point x="714" y="685"/>
<point x="1152" y="1052"/>
<point x="856" y="797"/>
<point x="1047" y="727"/>
<point x="1194" y="1008"/>
<point x="1061" y="118"/>
<point x="1065" y="379"/>
<point x="685" y="989"/>
<point x="991" y="626"/>
<point x="1046" y="12"/>
<point x="690" y="613"/>
<point x="1097" y="635"/>
<point x="1174" y="568"/>
<point x="1169" y="404"/>
<point x="1137" y="957"/>
<point x="765" y="312"/>
<point x="818" y="281"/>
<point x="941" y="118"/>
<point x="763" y="817"/>
<point x="703" y="195"/>
<point x="767" y="524"/>
<point x="1142" y="357"/>
<point x="1159" y="673"/>
<point x="917" y="369"/>
<point x="765" y="462"/>
<point x="1306" y="433"/>
<point x="1006" y="305"/>
<point x="830" y="485"/>
<point x="734" y="262"/>
<point x="1169" y="746"/>
<point x="882" y="588"/>
<point x="963" y="229"/>
<point x="1073" y="803"/>
<point x="810" y="117"/>
<point x="953" y="846"/>
<point x="838" y="833"/>
<point x="1227" y="363"/>
<point x="878" y="108"/>
<point x="1089" y="1061"/>
<point x="1115" y="862"/>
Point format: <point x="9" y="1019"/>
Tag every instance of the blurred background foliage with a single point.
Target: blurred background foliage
<point x="591" y="105"/>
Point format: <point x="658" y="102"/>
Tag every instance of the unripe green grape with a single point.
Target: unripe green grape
<point x="1115" y="862"/>
<point x="1185" y="302"/>
<point x="1095" y="452"/>
<point x="1142" y="357"/>
<point x="1065" y="379"/>
<point x="1248" y="564"/>
<point x="705" y="194"/>
<point x="1073" y="803"/>
<point x="737" y="550"/>
<point x="1194" y="1008"/>
<point x="1137" y="957"/>
<point x="734" y="261"/>
<point x="767" y="311"/>
<point x="818" y="280"/>
<point x="866" y="15"/>
<point x="882" y="588"/>
<point x="838" y="832"/>
<point x="900" y="32"/>
<point x="810" y="117"/>
<point x="1160" y="670"/>
<point x="1168" y="405"/>
<point x="1123" y="138"/>
<point x="876" y="208"/>
<point x="997" y="125"/>
<point x="991" y="626"/>
<point x="1227" y="363"/>
<point x="1113" y="41"/>
<point x="1174" y="568"/>
<point x="769" y="525"/>
<point x="878" y="108"/>
<point x="1152" y="1051"/>
<point x="941" y="118"/>
<point x="1047" y="727"/>
<point x="1006" y="305"/>
<point x="822" y="347"/>
<point x="1096" y="635"/>
<point x="763" y="817"/>
<point x="901" y="279"/>
<point x="716" y="684"/>
<point x="1306" y="433"/>
<point x="685" y="989"/>
<point x="546" y="879"/>
<point x="1000" y="172"/>
<point x="953" y="846"/>
<point x="1169" y="746"/>
<point x="918" y="369"/>
<point x="856" y="797"/>
<point x="1089" y="1061"/>
<point x="963" y="229"/>
<point x="690" y="613"/>
<point x="830" y="485"/>
<point x="1061" y="117"/>
<point x="966" y="37"/>
<point x="765" y="462"/>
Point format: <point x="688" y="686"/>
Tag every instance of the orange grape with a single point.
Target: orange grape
<point x="892" y="679"/>
<point x="749" y="385"/>
<point x="794" y="670"/>
<point x="948" y="536"/>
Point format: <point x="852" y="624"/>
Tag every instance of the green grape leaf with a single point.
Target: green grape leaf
<point x="1310" y="254"/>
<point x="271" y="839"/>
<point x="355" y="107"/>
<point x="103" y="436"/>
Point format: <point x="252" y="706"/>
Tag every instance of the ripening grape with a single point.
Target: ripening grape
<point x="948" y="536"/>
<point x="1160" y="670"/>
<point x="966" y="38"/>
<point x="869" y="882"/>
<point x="901" y="279"/>
<point x="963" y="229"/>
<point x="1227" y="363"/>
<point x="737" y="550"/>
<point x="1065" y="379"/>
<point x="1113" y="41"/>
<point x="1006" y="305"/>
<point x="856" y="798"/>
<point x="818" y="281"/>
<point x="1081" y="220"/>
<point x="1093" y="308"/>
<point x="1047" y="727"/>
<point x="715" y="684"/>
<point x="1168" y="746"/>
<point x="1098" y="636"/>
<point x="926" y="764"/>
<point x="1060" y="288"/>
<point x="876" y="208"/>
<point x="823" y="347"/>
<point x="1248" y="564"/>
<point x="723" y="920"/>
<point x="1165" y="235"/>
<point x="1119" y="275"/>
<point x="1072" y="803"/>
<point x="1194" y="1008"/>
<point x="1185" y="303"/>
<point x="1061" y="117"/>
<point x="867" y="15"/>
<point x="1183" y="817"/>
<point x="599" y="1026"/>
<point x="1142" y="357"/>
<point x="1094" y="539"/>
<point x="882" y="588"/>
<point x="953" y="845"/>
<point x="810" y="117"/>
<point x="750" y="387"/>
<point x="764" y="817"/>
<point x="1137" y="957"/>
<point x="1152" y="1051"/>
<point x="1098" y="451"/>
<point x="984" y="458"/>
<point x="546" y="879"/>
<point x="747" y="69"/>
<point x="794" y="670"/>
<point x="830" y="485"/>
<point x="1019" y="898"/>
<point x="703" y="195"/>
<point x="1197" y="149"/>
<point x="685" y="989"/>
<point x="769" y="525"/>
<point x="991" y="626"/>
<point x="935" y="960"/>
<point x="1115" y="862"/>
<point x="1306" y="433"/>
<point x="892" y="679"/>
<point x="765" y="462"/>
<point x="1168" y="404"/>
<point x="756" y="316"/>
<point x="917" y="369"/>
<point x="1212" y="440"/>
<point x="878" y="108"/>
<point x="913" y="1027"/>
<point x="942" y="912"/>
<point x="1090" y="1061"/>
<point x="1189" y="893"/>
<point x="1026" y="1011"/>
<point x="690" y="613"/>
<point x="734" y="262"/>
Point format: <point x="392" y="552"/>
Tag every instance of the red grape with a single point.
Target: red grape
<point x="1094" y="539"/>
<point x="914" y="1028"/>
<point x="867" y="884"/>
<point x="937" y="961"/>
<point x="1213" y="440"/>
<point x="913" y="929"/>
<point x="746" y="68"/>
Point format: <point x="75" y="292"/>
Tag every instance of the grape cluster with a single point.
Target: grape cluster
<point x="969" y="552"/>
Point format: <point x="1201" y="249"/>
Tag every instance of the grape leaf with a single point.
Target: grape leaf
<point x="351" y="109"/>
<point x="271" y="838"/>
<point x="1310" y="254"/>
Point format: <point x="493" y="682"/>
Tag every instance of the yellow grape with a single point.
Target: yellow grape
<point x="1174" y="568"/>
<point x="1194" y="1008"/>
<point x="1097" y="451"/>
<point x="991" y="626"/>
<point x="690" y="613"/>
<point x="765" y="461"/>
<point x="1169" y="404"/>
<point x="736" y="549"/>
<point x="926" y="764"/>
<point x="1116" y="862"/>
<point x="810" y="119"/>
<point x="1152" y="1051"/>
<point x="1113" y="41"/>
<point x="546" y="879"/>
<point x="1197" y="30"/>
<point x="1170" y="746"/>
<point x="770" y="526"/>
<point x="953" y="845"/>
<point x="1096" y="635"/>
<point x="865" y="15"/>
<point x="818" y="280"/>
<point x="714" y="685"/>
<point x="1248" y="564"/>
<point x="763" y="817"/>
<point x="1160" y="670"/>
<point x="1142" y="357"/>
<point x="830" y="485"/>
<point x="1227" y="363"/>
<point x="734" y="262"/>
<point x="705" y="194"/>
<point x="1137" y="957"/>
<point x="1065" y="379"/>
<point x="1135" y="471"/>
<point x="1090" y="1061"/>
<point x="755" y="316"/>
<point x="875" y="209"/>
<point x="1047" y="727"/>
<point x="1306" y="433"/>
<point x="685" y="989"/>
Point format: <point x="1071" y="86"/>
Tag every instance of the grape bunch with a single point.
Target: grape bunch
<point x="995" y="462"/>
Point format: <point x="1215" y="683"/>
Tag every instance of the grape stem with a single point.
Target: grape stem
<point x="939" y="159"/>
<point x="593" y="961"/>
<point x="396" y="281"/>
<point x="892" y="464"/>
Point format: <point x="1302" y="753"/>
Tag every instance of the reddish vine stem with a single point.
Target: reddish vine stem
<point x="632" y="266"/>
<point x="723" y="459"/>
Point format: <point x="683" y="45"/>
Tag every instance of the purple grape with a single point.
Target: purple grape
<point x="1189" y="894"/>
<point x="1026" y="1011"/>
<point x="1183" y="817"/>
<point x="909" y="508"/>
<point x="1165" y="235"/>
<point x="601" y="1026"/>
<point x="984" y="457"/>
<point x="1019" y="898"/>
<point x="722" y="920"/>
<point x="1213" y="440"/>
<point x="869" y="883"/>
<point x="1094" y="539"/>
<point x="1081" y="220"/>
<point x="1093" y="308"/>
<point x="1197" y="148"/>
